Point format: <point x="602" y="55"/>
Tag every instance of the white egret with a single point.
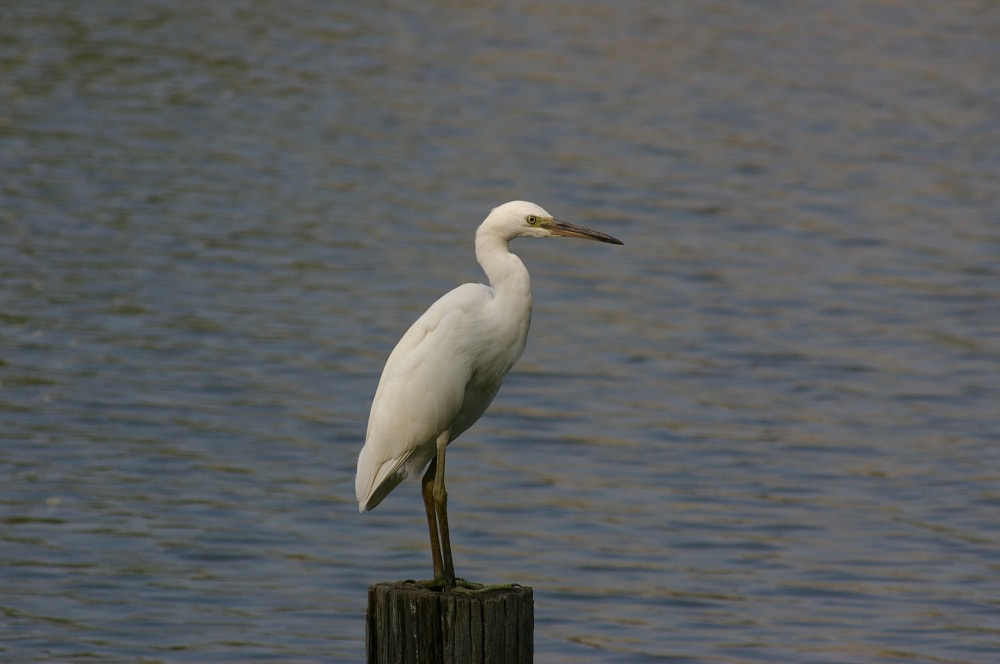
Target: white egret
<point x="447" y="368"/>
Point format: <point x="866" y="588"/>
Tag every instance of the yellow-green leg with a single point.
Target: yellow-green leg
<point x="441" y="507"/>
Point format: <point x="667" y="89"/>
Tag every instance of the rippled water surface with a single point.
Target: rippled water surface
<point x="765" y="429"/>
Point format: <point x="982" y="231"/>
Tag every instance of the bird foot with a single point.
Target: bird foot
<point x="437" y="584"/>
<point x="463" y="586"/>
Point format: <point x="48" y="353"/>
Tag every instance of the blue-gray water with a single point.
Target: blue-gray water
<point x="765" y="429"/>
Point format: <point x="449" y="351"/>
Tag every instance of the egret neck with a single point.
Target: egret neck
<point x="510" y="282"/>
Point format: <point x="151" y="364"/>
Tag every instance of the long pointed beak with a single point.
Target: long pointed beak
<point x="566" y="229"/>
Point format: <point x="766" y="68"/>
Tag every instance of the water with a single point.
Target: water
<point x="765" y="429"/>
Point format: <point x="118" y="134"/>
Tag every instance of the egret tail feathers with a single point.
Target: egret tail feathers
<point x="376" y="480"/>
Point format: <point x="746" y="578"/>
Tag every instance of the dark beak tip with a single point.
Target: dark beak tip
<point x="609" y="239"/>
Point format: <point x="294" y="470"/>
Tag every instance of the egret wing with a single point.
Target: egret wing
<point x="419" y="395"/>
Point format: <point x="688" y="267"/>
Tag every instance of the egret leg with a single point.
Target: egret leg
<point x="441" y="505"/>
<point x="427" y="490"/>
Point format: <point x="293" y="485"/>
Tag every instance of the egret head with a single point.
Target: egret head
<point x="524" y="219"/>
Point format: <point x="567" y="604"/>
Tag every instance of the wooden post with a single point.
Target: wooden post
<point x="410" y="624"/>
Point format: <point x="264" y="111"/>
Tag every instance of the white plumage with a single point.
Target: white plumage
<point x="446" y="369"/>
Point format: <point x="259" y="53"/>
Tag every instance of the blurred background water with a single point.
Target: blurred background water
<point x="765" y="429"/>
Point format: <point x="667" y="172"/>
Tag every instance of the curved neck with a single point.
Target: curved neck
<point x="507" y="274"/>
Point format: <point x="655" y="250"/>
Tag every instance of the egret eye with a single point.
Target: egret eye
<point x="531" y="219"/>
